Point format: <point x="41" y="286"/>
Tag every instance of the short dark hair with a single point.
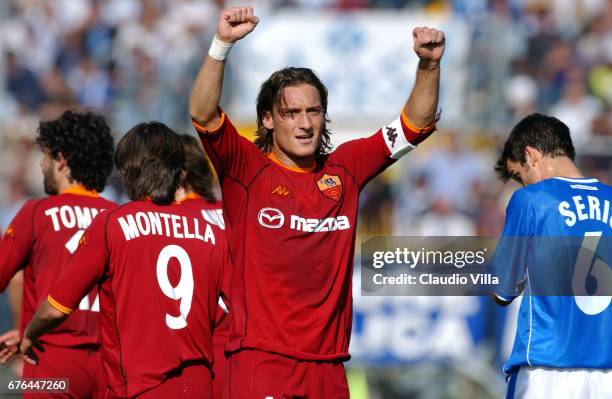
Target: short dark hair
<point x="199" y="176"/>
<point x="84" y="139"/>
<point x="150" y="158"/>
<point x="271" y="94"/>
<point x="547" y="134"/>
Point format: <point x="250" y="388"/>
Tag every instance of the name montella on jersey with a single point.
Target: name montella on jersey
<point x="164" y="224"/>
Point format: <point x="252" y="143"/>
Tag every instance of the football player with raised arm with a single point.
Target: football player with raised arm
<point x="291" y="204"/>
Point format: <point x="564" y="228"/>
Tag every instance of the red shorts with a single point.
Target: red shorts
<point x="82" y="367"/>
<point x="193" y="381"/>
<point x="219" y="367"/>
<point x="255" y="374"/>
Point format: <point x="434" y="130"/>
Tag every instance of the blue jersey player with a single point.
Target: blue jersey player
<point x="563" y="344"/>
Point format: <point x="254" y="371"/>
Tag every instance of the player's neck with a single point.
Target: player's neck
<point x="184" y="194"/>
<point x="305" y="164"/>
<point x="64" y="184"/>
<point x="181" y="194"/>
<point x="564" y="167"/>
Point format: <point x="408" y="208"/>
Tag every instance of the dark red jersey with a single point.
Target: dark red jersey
<point x="212" y="212"/>
<point x="159" y="269"/>
<point x="292" y="238"/>
<point x="41" y="240"/>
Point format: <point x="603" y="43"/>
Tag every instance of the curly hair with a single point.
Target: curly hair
<point x="199" y="176"/>
<point x="150" y="158"/>
<point x="547" y="134"/>
<point x="271" y="94"/>
<point x="84" y="139"/>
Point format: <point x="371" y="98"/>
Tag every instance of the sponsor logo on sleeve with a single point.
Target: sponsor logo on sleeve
<point x="394" y="137"/>
<point x="391" y="135"/>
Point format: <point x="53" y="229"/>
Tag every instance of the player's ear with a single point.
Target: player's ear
<point x="532" y="156"/>
<point x="183" y="177"/>
<point x="60" y="162"/>
<point x="267" y="120"/>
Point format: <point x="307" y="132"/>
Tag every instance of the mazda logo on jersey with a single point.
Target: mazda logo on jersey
<point x="271" y="218"/>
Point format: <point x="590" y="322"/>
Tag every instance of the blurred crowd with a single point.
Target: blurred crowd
<point x="548" y="56"/>
<point x="135" y="60"/>
<point x="111" y="56"/>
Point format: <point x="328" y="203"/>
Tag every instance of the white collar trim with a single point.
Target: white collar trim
<point x="577" y="180"/>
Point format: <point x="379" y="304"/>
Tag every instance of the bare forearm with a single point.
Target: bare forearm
<point x="15" y="297"/>
<point x="234" y="24"/>
<point x="206" y="93"/>
<point x="45" y="319"/>
<point x="422" y="105"/>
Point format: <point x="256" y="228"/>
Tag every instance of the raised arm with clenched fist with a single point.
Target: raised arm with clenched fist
<point x="236" y="23"/>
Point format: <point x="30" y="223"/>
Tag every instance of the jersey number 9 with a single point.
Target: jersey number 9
<point x="183" y="290"/>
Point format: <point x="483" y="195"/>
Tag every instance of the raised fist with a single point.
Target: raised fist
<point x="236" y="23"/>
<point x="428" y="44"/>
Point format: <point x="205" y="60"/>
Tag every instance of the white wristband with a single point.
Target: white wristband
<point x="219" y="49"/>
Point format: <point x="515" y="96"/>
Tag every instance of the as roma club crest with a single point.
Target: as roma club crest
<point x="330" y="186"/>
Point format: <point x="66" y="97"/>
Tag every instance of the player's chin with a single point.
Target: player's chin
<point x="306" y="147"/>
<point x="304" y="151"/>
